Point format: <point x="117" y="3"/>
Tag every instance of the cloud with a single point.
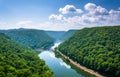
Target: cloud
<point x="56" y="26"/>
<point x="90" y="6"/>
<point x="56" y="17"/>
<point x="23" y="22"/>
<point x="81" y="21"/>
<point x="69" y="9"/>
<point x="95" y="10"/>
<point x="114" y="17"/>
<point x="114" y="12"/>
<point x="94" y="15"/>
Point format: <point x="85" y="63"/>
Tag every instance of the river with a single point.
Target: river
<point x="59" y="67"/>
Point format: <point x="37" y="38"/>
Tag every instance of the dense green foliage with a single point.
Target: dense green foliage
<point x="97" y="48"/>
<point x="67" y="35"/>
<point x="55" y="34"/>
<point x="30" y="37"/>
<point x="58" y="55"/>
<point x="18" y="61"/>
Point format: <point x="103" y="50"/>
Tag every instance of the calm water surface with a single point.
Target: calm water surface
<point x="59" y="67"/>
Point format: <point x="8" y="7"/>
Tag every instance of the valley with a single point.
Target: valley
<point x="91" y="48"/>
<point x="59" y="38"/>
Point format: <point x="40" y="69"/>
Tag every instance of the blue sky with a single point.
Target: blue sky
<point x="58" y="14"/>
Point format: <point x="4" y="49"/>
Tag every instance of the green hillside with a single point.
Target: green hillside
<point x="18" y="61"/>
<point x="30" y="37"/>
<point x="68" y="34"/>
<point x="55" y="34"/>
<point x="97" y="48"/>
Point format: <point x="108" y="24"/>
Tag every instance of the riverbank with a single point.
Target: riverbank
<point x="82" y="67"/>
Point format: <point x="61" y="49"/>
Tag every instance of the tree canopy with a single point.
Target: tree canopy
<point x="19" y="61"/>
<point x="97" y="48"/>
<point x="30" y="37"/>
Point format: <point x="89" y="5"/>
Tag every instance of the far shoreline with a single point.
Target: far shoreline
<point x="90" y="71"/>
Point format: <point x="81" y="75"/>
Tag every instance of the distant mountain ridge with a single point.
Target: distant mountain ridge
<point x="34" y="38"/>
<point x="67" y="34"/>
<point x="30" y="37"/>
<point x="55" y="34"/>
<point x="61" y="35"/>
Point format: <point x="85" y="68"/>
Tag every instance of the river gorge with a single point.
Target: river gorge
<point x="59" y="67"/>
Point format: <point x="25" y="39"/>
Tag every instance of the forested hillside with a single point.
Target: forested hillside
<point x="18" y="61"/>
<point x="67" y="34"/>
<point x="97" y="48"/>
<point x="55" y="34"/>
<point x="30" y="37"/>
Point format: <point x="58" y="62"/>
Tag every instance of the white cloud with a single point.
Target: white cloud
<point x="23" y="22"/>
<point x="69" y="9"/>
<point x="114" y="12"/>
<point x="56" y="17"/>
<point x="95" y="10"/>
<point x="81" y="21"/>
<point x="75" y="22"/>
<point x="97" y="16"/>
<point x="90" y="6"/>
<point x="94" y="16"/>
<point x="114" y="17"/>
<point x="89" y="19"/>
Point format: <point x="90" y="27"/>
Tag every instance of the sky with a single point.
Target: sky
<point x="58" y="14"/>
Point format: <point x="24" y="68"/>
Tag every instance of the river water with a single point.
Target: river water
<point x="59" y="67"/>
